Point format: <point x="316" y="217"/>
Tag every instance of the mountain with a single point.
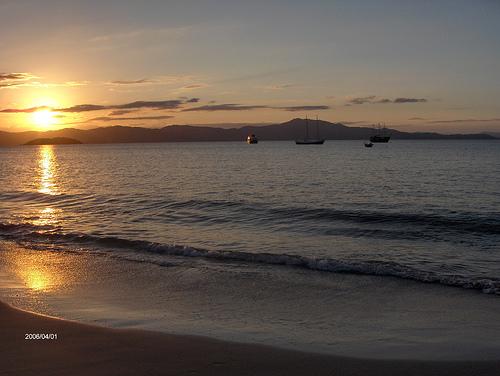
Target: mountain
<point x="289" y="130"/>
<point x="53" y="141"/>
<point x="494" y="134"/>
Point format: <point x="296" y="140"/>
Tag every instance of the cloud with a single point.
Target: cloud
<point x="173" y="104"/>
<point x="156" y="105"/>
<point x="225" y="107"/>
<point x="15" y="79"/>
<point x="384" y="100"/>
<point x="194" y="86"/>
<point x="108" y="118"/>
<point x="82" y="108"/>
<point x="416" y="118"/>
<point x="120" y="112"/>
<point x="10" y="85"/>
<point x="372" y="99"/>
<point x="278" y="87"/>
<point x="409" y="100"/>
<point x="241" y="107"/>
<point x="24" y="110"/>
<point x="56" y="84"/>
<point x="361" y="100"/>
<point x="186" y="80"/>
<point x="303" y="108"/>
<point x="16" y="84"/>
<point x="16" y="76"/>
<point x="132" y="82"/>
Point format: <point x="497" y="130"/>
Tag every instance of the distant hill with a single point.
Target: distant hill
<point x="289" y="130"/>
<point x="53" y="141"/>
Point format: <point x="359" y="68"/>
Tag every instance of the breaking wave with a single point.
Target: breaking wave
<point x="44" y="235"/>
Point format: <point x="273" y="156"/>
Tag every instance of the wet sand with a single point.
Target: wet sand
<point x="89" y="350"/>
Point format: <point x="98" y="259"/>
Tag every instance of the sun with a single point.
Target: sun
<point x="44" y="118"/>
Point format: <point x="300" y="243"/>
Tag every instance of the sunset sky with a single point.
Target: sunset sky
<point x="415" y="65"/>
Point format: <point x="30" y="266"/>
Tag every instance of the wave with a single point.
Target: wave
<point x="223" y="211"/>
<point x="24" y="232"/>
<point x="484" y="223"/>
<point x="459" y="222"/>
<point x="38" y="198"/>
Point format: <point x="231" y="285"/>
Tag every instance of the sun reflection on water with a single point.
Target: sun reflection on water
<point x="48" y="217"/>
<point x="37" y="280"/>
<point x="36" y="271"/>
<point x="42" y="271"/>
<point x="47" y="167"/>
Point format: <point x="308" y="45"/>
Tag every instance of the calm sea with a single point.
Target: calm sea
<point x="425" y="211"/>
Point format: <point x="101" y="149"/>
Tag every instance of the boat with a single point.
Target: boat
<point x="310" y="140"/>
<point x="380" y="135"/>
<point x="368" y="144"/>
<point x="252" y="139"/>
<point x="378" y="138"/>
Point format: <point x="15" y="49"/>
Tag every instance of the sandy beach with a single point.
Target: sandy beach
<point x="89" y="350"/>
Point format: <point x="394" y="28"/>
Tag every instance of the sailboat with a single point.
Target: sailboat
<point x="310" y="140"/>
<point x="380" y="135"/>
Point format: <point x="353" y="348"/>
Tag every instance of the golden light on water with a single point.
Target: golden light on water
<point x="36" y="279"/>
<point x="47" y="166"/>
<point x="43" y="271"/>
<point x="37" y="271"/>
<point x="48" y="217"/>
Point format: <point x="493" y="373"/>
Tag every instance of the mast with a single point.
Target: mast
<point x="317" y="127"/>
<point x="307" y="128"/>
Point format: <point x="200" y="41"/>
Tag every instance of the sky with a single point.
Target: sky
<point x="413" y="65"/>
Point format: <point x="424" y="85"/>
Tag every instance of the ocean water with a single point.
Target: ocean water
<point x="311" y="226"/>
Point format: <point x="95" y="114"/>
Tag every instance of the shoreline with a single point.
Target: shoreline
<point x="360" y="323"/>
<point x="82" y="349"/>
